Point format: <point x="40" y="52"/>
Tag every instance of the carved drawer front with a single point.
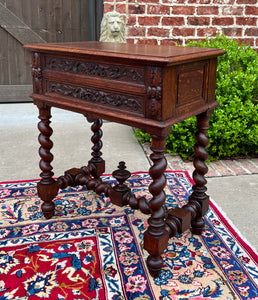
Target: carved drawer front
<point x="91" y="68"/>
<point x="94" y="96"/>
<point x="113" y="86"/>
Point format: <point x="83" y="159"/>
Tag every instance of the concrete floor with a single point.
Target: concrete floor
<point x="236" y="195"/>
<point x="71" y="138"/>
<point x="238" y="198"/>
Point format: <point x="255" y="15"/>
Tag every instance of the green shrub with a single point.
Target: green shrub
<point x="234" y="123"/>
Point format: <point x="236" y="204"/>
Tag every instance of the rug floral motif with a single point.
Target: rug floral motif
<point x="92" y="249"/>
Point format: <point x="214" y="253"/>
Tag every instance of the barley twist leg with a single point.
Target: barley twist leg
<point x="47" y="187"/>
<point x="199" y="189"/>
<point x="96" y="154"/>
<point x="156" y="237"/>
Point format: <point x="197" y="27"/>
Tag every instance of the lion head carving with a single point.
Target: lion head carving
<point x="112" y="28"/>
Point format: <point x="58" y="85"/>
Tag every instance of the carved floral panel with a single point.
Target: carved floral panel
<point x="133" y="104"/>
<point x="116" y="72"/>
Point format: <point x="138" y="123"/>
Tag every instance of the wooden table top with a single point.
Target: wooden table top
<point x="160" y="55"/>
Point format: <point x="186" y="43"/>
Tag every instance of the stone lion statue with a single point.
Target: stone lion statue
<point x="112" y="28"/>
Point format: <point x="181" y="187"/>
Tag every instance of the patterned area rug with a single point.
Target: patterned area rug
<point x="91" y="249"/>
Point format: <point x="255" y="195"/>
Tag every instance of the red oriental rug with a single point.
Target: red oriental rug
<point x="91" y="249"/>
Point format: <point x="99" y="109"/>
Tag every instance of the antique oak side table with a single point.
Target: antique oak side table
<point x="149" y="87"/>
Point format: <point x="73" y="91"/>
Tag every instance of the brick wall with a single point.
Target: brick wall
<point x="165" y="22"/>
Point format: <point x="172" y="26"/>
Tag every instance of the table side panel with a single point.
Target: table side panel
<point x="187" y="87"/>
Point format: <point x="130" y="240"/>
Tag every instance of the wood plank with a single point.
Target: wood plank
<point x="19" y="73"/>
<point x="42" y="19"/>
<point x="13" y="60"/>
<point x="87" y="20"/>
<point x="15" y="93"/>
<point x="17" y="28"/>
<point x="58" y="21"/>
<point x="76" y="21"/>
<point x="27" y="12"/>
<point x="4" y="71"/>
<point x="34" y="17"/>
<point x="67" y="20"/>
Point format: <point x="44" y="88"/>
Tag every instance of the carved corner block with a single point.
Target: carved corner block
<point x="183" y="215"/>
<point x="155" y="245"/>
<point x="205" y="205"/>
<point x="47" y="191"/>
<point x="119" y="197"/>
<point x="98" y="169"/>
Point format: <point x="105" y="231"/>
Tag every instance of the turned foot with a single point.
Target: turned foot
<point x="197" y="226"/>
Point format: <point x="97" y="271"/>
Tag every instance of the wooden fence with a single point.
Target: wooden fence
<point x="32" y="21"/>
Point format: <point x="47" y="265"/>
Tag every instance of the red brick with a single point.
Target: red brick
<point x="183" y="10"/>
<point x="232" y="31"/>
<point x="174" y="1"/>
<point x="246" y="1"/>
<point x="154" y="31"/>
<point x="251" y="10"/>
<point x="158" y="10"/>
<point x="131" y="20"/>
<point x="189" y="167"/>
<point x="136" y="9"/>
<point x="236" y="168"/>
<point x="211" y="31"/>
<point x="248" y="165"/>
<point x="183" y="31"/>
<point x="136" y="31"/>
<point x="223" y="21"/>
<point x="221" y="169"/>
<point x="173" y="21"/>
<point x="224" y="2"/>
<point x="246" y="41"/>
<point x="200" y="1"/>
<point x="198" y="21"/>
<point x="175" y="166"/>
<point x="255" y="160"/>
<point x="108" y="7"/>
<point x="148" y="41"/>
<point x="149" y="1"/>
<point x="121" y="8"/>
<point x="172" y="157"/>
<point x="148" y="20"/>
<point x="245" y="21"/>
<point x="251" y="31"/>
<point x="171" y="42"/>
<point x="211" y="171"/>
<point x="207" y="10"/>
<point x="230" y="10"/>
<point x="130" y="41"/>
